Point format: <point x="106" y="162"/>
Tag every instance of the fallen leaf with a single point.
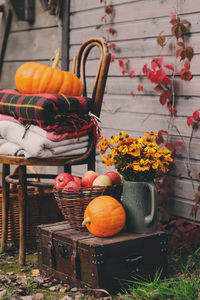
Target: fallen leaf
<point x="53" y="288"/>
<point x="35" y="272"/>
<point x="38" y="296"/>
<point x="3" y="294"/>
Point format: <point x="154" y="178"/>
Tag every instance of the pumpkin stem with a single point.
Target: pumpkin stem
<point x="86" y="221"/>
<point x="56" y="59"/>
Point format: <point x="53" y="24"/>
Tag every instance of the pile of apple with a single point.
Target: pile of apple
<point x="67" y="182"/>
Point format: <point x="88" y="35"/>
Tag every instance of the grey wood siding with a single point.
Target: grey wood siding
<point x="36" y="42"/>
<point x="137" y="25"/>
<point x="26" y="42"/>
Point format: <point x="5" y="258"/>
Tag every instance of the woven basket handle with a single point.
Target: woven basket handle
<point x="30" y="169"/>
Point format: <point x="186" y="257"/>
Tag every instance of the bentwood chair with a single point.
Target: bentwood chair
<point x="78" y="68"/>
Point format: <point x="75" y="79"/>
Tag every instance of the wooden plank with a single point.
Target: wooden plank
<point x="8" y="74"/>
<point x="33" y="45"/>
<point x="124" y="85"/>
<point x="140" y="47"/>
<point x="181" y="169"/>
<point x="182" y="208"/>
<point x="137" y="63"/>
<point x="42" y="19"/>
<point x="144" y="122"/>
<point x="183" y="188"/>
<point x="77" y="5"/>
<point x="131" y="30"/>
<point x="148" y="104"/>
<point x="133" y="11"/>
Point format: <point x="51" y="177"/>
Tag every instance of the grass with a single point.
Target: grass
<point x="183" y="282"/>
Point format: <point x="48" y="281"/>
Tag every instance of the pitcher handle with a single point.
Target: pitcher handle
<point x="148" y="219"/>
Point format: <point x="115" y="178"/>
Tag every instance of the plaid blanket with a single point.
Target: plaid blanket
<point x="41" y="107"/>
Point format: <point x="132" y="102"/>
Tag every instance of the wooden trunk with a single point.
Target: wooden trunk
<point x="83" y="260"/>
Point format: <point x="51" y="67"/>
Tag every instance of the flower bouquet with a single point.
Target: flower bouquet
<point x="136" y="159"/>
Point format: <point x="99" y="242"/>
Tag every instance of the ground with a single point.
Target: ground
<point x="26" y="283"/>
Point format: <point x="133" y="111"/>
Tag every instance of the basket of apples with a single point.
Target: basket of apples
<point x="73" y="193"/>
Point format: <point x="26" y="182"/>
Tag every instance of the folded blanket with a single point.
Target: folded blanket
<point x="41" y="107"/>
<point x="54" y="135"/>
<point x="36" y="145"/>
<point x="48" y="154"/>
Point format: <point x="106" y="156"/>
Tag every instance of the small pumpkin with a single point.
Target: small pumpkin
<point x="36" y="78"/>
<point x="104" y="216"/>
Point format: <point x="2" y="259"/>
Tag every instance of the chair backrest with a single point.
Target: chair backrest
<point x="79" y="64"/>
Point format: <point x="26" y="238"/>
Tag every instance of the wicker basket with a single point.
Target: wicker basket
<point x="73" y="204"/>
<point x="41" y="208"/>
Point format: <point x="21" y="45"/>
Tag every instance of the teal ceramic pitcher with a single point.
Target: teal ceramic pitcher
<point x="140" y="203"/>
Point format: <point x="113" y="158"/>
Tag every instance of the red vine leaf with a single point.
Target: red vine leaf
<point x="170" y="146"/>
<point x="158" y="76"/>
<point x="161" y="40"/>
<point x="108" y="9"/>
<point x="181" y="44"/>
<point x="185" y="22"/>
<point x="164" y="96"/>
<point x="132" y="73"/>
<point x="195" y="115"/>
<point x="154" y="64"/>
<point x="181" y="52"/>
<point x="158" y="88"/>
<point x="171" y="109"/>
<point x="185" y="74"/>
<point x="112" y="46"/>
<point x="121" y="63"/>
<point x="170" y="67"/>
<point x="187" y="65"/>
<point x="189" y="52"/>
<point x="140" y="88"/>
<point x="171" y="15"/>
<point x="160" y="138"/>
<point x="112" y="59"/>
<point x="166" y="80"/>
<point x="178" y="144"/>
<point x="190" y="121"/>
<point x="112" y="31"/>
<point x="123" y="71"/>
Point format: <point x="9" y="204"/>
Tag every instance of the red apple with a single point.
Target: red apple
<point x="77" y="180"/>
<point x="88" y="178"/>
<point x="102" y="180"/>
<point x="71" y="186"/>
<point x="62" y="179"/>
<point x="115" y="177"/>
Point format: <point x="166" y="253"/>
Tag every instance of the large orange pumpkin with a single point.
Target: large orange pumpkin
<point x="104" y="216"/>
<point x="36" y="78"/>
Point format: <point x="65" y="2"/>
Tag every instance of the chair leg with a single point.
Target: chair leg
<point x="91" y="161"/>
<point x="22" y="198"/>
<point x="68" y="169"/>
<point x="5" y="206"/>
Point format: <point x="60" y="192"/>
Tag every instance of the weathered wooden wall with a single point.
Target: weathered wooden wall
<point x="31" y="42"/>
<point x="137" y="25"/>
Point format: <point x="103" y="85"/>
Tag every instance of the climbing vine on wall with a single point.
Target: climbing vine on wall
<point x="162" y="76"/>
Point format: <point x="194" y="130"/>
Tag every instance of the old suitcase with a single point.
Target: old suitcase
<point x="80" y="259"/>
